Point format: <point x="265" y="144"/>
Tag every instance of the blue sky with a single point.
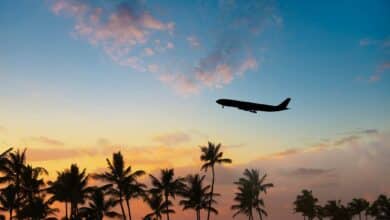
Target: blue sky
<point x="82" y="79"/>
<point x="320" y="54"/>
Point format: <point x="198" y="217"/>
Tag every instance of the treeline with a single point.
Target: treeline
<point x="24" y="193"/>
<point x="308" y="206"/>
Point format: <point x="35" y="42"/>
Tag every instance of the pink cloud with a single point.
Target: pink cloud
<point x="172" y="139"/>
<point x="381" y="69"/>
<point x="125" y="32"/>
<point x="193" y="41"/>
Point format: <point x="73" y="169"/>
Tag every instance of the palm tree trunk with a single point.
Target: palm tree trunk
<point x="121" y="204"/>
<point x="212" y="192"/>
<point x="360" y="216"/>
<point x="10" y="213"/>
<point x="167" y="208"/>
<point x="128" y="208"/>
<point x="66" y="210"/>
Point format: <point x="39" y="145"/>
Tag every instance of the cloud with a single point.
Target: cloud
<point x="374" y="42"/>
<point x="124" y="29"/>
<point x="118" y="31"/>
<point x="309" y="172"/>
<point x="45" y="140"/>
<point x="193" y="41"/>
<point x="367" y="42"/>
<point x="172" y="139"/>
<point x="149" y="51"/>
<point x="380" y="70"/>
<point x="181" y="83"/>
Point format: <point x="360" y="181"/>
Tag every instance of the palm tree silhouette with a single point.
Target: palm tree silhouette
<point x="37" y="209"/>
<point x="250" y="186"/>
<point x="253" y="176"/>
<point x="13" y="168"/>
<point x="336" y="211"/>
<point x="133" y="189"/>
<point x="158" y="206"/>
<point x="76" y="187"/>
<point x="244" y="200"/>
<point x="98" y="206"/>
<point x="212" y="155"/>
<point x="58" y="190"/>
<point x="380" y="208"/>
<point x="31" y="183"/>
<point x="357" y="206"/>
<point x="4" y="159"/>
<point x="167" y="186"/>
<point x="8" y="200"/>
<point x="195" y="195"/>
<point x="121" y="177"/>
<point x="306" y="204"/>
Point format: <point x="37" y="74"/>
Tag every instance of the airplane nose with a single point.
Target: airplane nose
<point x="218" y="101"/>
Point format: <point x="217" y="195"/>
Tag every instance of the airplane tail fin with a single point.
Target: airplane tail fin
<point x="285" y="103"/>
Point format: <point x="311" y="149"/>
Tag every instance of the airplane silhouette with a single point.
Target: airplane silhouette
<point x="253" y="107"/>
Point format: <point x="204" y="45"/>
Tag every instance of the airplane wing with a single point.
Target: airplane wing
<point x="247" y="109"/>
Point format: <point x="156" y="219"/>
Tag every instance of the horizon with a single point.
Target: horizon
<point x="82" y="80"/>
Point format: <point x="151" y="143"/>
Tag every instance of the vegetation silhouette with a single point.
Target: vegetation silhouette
<point x="124" y="181"/>
<point x="196" y="196"/>
<point x="306" y="204"/>
<point x="167" y="186"/>
<point x="24" y="194"/>
<point x="248" y="196"/>
<point x="212" y="155"/>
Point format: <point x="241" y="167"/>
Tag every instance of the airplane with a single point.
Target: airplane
<point x="254" y="107"/>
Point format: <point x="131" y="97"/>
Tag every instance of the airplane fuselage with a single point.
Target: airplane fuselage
<point x="250" y="106"/>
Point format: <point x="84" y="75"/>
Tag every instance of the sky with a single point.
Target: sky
<point x="83" y="79"/>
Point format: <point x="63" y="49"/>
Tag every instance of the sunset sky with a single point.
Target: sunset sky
<point x="83" y="79"/>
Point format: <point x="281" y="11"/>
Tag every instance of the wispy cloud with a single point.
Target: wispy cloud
<point x="131" y="35"/>
<point x="299" y="172"/>
<point x="380" y="70"/>
<point x="118" y="31"/>
<point x="374" y="42"/>
<point x="44" y="140"/>
<point x="172" y="139"/>
<point x="193" y="41"/>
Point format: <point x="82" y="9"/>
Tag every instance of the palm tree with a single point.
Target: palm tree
<point x="31" y="183"/>
<point x="253" y="177"/>
<point x="156" y="202"/>
<point x="8" y="200"/>
<point x="319" y="212"/>
<point x="250" y="186"/>
<point x="58" y="190"/>
<point x="357" y="206"/>
<point x="380" y="208"/>
<point x="336" y="211"/>
<point x="133" y="189"/>
<point x="37" y="209"/>
<point x="70" y="186"/>
<point x="98" y="206"/>
<point x="211" y="155"/>
<point x="306" y="204"/>
<point x="167" y="186"/>
<point x="13" y="168"/>
<point x="120" y="176"/>
<point x="195" y="195"/>
<point x="244" y="200"/>
<point x="3" y="159"/>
